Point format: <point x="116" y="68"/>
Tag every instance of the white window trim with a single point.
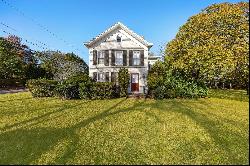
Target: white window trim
<point x="103" y="77"/>
<point x="120" y="58"/>
<point x="139" y="58"/>
<point x="103" y="55"/>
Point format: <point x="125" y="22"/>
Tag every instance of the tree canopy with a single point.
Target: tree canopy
<point x="11" y="66"/>
<point x="213" y="45"/>
<point x="60" y="66"/>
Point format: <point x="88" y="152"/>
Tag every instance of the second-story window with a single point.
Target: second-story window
<point x="136" y="58"/>
<point x="118" y="58"/>
<point x="101" y="57"/>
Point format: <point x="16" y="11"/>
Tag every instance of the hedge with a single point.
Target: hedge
<point x="98" y="90"/>
<point x="164" y="83"/>
<point x="41" y="87"/>
<point x="5" y="83"/>
<point x="69" y="89"/>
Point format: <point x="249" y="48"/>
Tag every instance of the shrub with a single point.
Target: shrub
<point x="41" y="87"/>
<point x="163" y="83"/>
<point x="98" y="90"/>
<point x="69" y="88"/>
<point x="6" y="83"/>
<point x="85" y="90"/>
<point x="123" y="80"/>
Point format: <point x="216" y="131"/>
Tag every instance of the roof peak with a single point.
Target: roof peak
<point x="140" y="38"/>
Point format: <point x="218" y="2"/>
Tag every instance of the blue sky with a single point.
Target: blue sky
<point x="69" y="23"/>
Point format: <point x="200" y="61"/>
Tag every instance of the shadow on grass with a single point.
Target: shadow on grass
<point x="40" y="118"/>
<point x="24" y="146"/>
<point x="238" y="95"/>
<point x="16" y="99"/>
<point x="231" y="142"/>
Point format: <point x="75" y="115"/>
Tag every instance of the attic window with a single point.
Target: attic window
<point x="118" y="39"/>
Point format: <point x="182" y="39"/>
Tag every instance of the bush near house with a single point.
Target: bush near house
<point x="123" y="80"/>
<point x="163" y="82"/>
<point x="41" y="87"/>
<point x="98" y="90"/>
<point x="69" y="88"/>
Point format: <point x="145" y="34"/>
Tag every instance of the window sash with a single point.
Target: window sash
<point x="101" y="77"/>
<point x="136" y="57"/>
<point x="119" y="58"/>
<point x="101" y="57"/>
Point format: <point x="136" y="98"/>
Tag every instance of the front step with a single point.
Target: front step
<point x="137" y="95"/>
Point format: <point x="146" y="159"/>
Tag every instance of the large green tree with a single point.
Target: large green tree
<point x="213" y="46"/>
<point x="11" y="65"/>
<point x="61" y="66"/>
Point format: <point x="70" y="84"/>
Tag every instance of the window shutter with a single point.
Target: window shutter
<point x="130" y="58"/>
<point x="95" y="76"/>
<point x="124" y="57"/>
<point x="112" y="58"/>
<point x="142" y="57"/>
<point x="95" y="57"/>
<point x="107" y="76"/>
<point x="106" y="58"/>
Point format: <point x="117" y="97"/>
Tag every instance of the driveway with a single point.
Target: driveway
<point x="4" y="91"/>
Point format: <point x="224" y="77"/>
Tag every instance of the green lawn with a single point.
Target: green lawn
<point x="125" y="131"/>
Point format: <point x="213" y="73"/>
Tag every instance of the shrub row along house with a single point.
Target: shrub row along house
<point x="119" y="47"/>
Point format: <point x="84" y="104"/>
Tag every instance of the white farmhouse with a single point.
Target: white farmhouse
<point x="119" y="47"/>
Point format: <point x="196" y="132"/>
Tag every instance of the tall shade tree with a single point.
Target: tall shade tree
<point x="213" y="46"/>
<point x="11" y="65"/>
<point x="61" y="66"/>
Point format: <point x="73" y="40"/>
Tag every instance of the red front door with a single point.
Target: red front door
<point x="135" y="82"/>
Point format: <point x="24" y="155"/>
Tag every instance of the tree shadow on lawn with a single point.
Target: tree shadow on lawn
<point x="40" y="118"/>
<point x="23" y="146"/>
<point x="237" y="95"/>
<point x="231" y="142"/>
<point x="16" y="99"/>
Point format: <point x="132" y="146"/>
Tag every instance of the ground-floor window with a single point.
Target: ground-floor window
<point x="101" y="76"/>
<point x="114" y="77"/>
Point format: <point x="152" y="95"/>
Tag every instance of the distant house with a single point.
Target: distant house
<point x="119" y="47"/>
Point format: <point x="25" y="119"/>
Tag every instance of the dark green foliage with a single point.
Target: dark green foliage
<point x="60" y="65"/>
<point x="41" y="87"/>
<point x="9" y="83"/>
<point x="34" y="71"/>
<point x="98" y="90"/>
<point x="69" y="88"/>
<point x="85" y="89"/>
<point x="123" y="80"/>
<point x="164" y="83"/>
<point x="11" y="66"/>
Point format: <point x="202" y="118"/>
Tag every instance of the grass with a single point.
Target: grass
<point x="125" y="131"/>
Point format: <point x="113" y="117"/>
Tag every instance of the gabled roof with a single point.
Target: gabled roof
<point x="114" y="27"/>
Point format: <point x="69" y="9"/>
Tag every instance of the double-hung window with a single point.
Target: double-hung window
<point x="136" y="58"/>
<point x="101" y="57"/>
<point x="101" y="77"/>
<point x="119" y="58"/>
